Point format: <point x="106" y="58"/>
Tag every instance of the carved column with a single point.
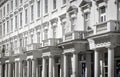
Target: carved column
<point x="75" y="64"/>
<point x="65" y="66"/>
<point x="97" y="64"/>
<point x="33" y="68"/>
<point x="44" y="67"/>
<point x="51" y="61"/>
<point x="110" y="61"/>
<point x="20" y="69"/>
<point x="28" y="68"/>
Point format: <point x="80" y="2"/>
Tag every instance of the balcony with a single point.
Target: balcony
<point x="33" y="46"/>
<point x="19" y="50"/>
<point x="73" y="35"/>
<point x="109" y="26"/>
<point x="51" y="42"/>
<point x="9" y="52"/>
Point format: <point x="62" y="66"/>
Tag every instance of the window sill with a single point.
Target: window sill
<point x="63" y="6"/>
<point x="55" y="10"/>
<point x="38" y="18"/>
<point x="32" y="22"/>
<point x="46" y="15"/>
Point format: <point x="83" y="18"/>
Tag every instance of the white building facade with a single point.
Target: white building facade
<point x="59" y="38"/>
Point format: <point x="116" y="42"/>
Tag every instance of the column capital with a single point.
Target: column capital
<point x="111" y="46"/>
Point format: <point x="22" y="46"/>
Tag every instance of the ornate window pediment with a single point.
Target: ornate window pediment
<point x="100" y="1"/>
<point x="72" y="8"/>
<point x="85" y="4"/>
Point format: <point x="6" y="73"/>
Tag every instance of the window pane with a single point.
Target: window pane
<point x="46" y="6"/>
<point x="38" y="6"/>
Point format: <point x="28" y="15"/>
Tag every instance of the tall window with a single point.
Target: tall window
<point x="0" y="30"/>
<point x="4" y="11"/>
<point x="12" y="5"/>
<point x="38" y="8"/>
<point x="54" y="4"/>
<point x="26" y="16"/>
<point x="86" y="20"/>
<point x="32" y="11"/>
<point x="16" y="20"/>
<point x="31" y="39"/>
<point x="25" y="41"/>
<point x="102" y="14"/>
<point x="7" y="26"/>
<point x="118" y="10"/>
<point x="64" y="1"/>
<point x="16" y="3"/>
<point x="46" y="6"/>
<point x="21" y="42"/>
<point x="54" y="32"/>
<point x="38" y="37"/>
<point x="46" y="34"/>
<point x="7" y="8"/>
<point x="21" y="19"/>
<point x="3" y="28"/>
<point x="11" y="24"/>
<point x="21" y="1"/>
<point x="1" y="13"/>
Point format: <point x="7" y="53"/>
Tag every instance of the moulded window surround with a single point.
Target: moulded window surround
<point x="102" y="14"/>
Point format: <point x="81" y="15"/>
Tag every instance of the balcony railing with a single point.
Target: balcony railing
<point x="33" y="46"/>
<point x="51" y="42"/>
<point x="74" y="35"/>
<point x="109" y="26"/>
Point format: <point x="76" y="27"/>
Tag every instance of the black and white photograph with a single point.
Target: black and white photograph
<point x="59" y="38"/>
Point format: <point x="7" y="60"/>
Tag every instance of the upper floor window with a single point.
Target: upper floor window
<point x="21" y="19"/>
<point x="7" y="26"/>
<point x="118" y="8"/>
<point x="45" y="34"/>
<point x="64" y="1"/>
<point x="32" y="11"/>
<point x="86" y="20"/>
<point x="16" y="3"/>
<point x="12" y="5"/>
<point x="54" y="4"/>
<point x="46" y="6"/>
<point x="21" y="1"/>
<point x="26" y="16"/>
<point x="7" y="8"/>
<point x="16" y="22"/>
<point x="4" y="10"/>
<point x="26" y="39"/>
<point x="1" y="13"/>
<point x="102" y="13"/>
<point x="3" y="28"/>
<point x="11" y="24"/>
<point x="38" y="8"/>
<point x="38" y="37"/>
<point x="0" y="30"/>
<point x="31" y="39"/>
<point x="54" y="31"/>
